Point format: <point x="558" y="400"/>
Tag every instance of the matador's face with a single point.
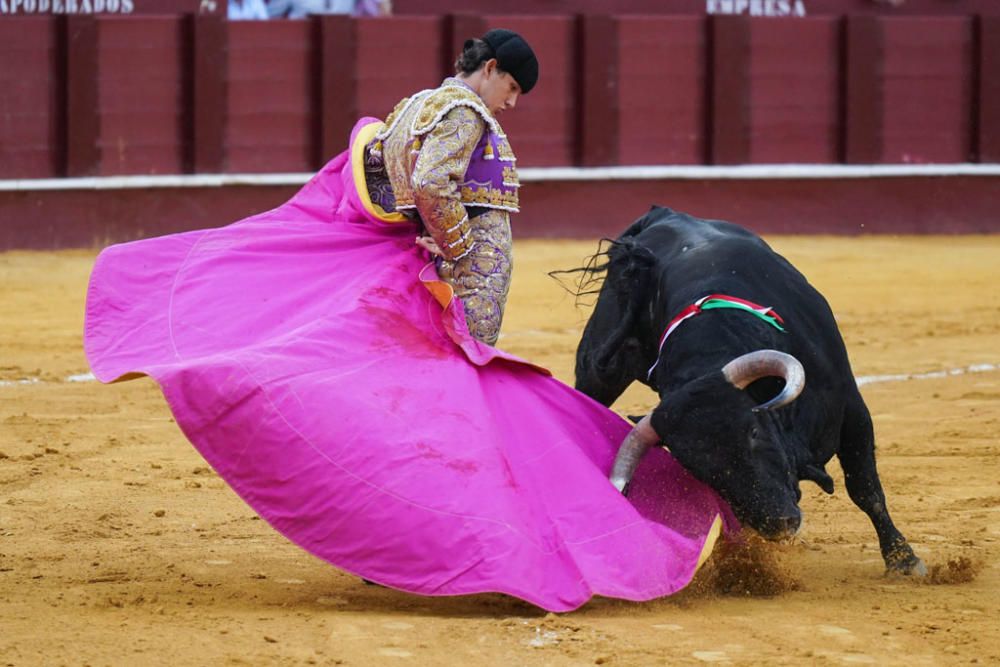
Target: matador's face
<point x="499" y="90"/>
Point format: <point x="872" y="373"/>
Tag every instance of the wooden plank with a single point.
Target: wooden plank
<point x="729" y="89"/>
<point x="339" y="86"/>
<point x="863" y="89"/>
<point x="661" y="93"/>
<point x="987" y="111"/>
<point x="82" y="120"/>
<point x="543" y="126"/>
<point x="31" y="98"/>
<point x="271" y="103"/>
<point x="598" y="91"/>
<point x="140" y="93"/>
<point x="795" y="102"/>
<point x="927" y="90"/>
<point x="757" y="8"/>
<point x="383" y="77"/>
<point x="209" y="81"/>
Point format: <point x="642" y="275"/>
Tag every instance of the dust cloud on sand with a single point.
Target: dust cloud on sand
<point x="119" y="545"/>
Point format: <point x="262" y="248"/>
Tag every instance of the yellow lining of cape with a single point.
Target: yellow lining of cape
<point x="713" y="535"/>
<point x="365" y="134"/>
<point x="442" y="292"/>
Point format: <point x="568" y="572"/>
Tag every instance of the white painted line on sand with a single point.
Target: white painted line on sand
<point x="902" y="377"/>
<point x="11" y="383"/>
<point x="83" y="377"/>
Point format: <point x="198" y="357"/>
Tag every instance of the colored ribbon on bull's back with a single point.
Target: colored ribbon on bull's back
<point x="712" y="302"/>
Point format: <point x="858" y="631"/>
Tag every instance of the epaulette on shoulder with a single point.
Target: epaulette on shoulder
<point x="442" y="100"/>
<point x="398" y="112"/>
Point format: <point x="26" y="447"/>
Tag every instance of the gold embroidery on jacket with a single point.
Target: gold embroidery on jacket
<point x="481" y="279"/>
<point x="426" y="170"/>
<point x="490" y="197"/>
<point x="440" y="102"/>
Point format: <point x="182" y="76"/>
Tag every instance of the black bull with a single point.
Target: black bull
<point x="735" y="408"/>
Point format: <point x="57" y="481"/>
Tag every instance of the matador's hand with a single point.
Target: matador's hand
<point x="430" y="245"/>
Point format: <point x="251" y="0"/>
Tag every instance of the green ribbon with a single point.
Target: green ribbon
<point x="712" y="304"/>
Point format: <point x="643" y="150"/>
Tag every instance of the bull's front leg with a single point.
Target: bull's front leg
<point x="603" y="376"/>
<point x="857" y="458"/>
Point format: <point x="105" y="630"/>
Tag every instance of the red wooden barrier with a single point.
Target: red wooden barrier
<point x="271" y="101"/>
<point x="363" y="73"/>
<point x="207" y="89"/>
<point x="598" y="110"/>
<point x="729" y="89"/>
<point x="30" y="99"/>
<point x="543" y="129"/>
<point x="396" y="58"/>
<point x="83" y="118"/>
<point x="927" y="90"/>
<point x="987" y="116"/>
<point x="140" y="95"/>
<point x="661" y="96"/>
<point x="762" y="8"/>
<point x="862" y="90"/>
<point x="554" y="209"/>
<point x="794" y="83"/>
<point x="113" y="95"/>
<point x="338" y="83"/>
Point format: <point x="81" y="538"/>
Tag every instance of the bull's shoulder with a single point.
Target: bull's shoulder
<point x="664" y="231"/>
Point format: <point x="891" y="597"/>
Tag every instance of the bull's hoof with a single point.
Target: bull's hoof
<point x="914" y="568"/>
<point x="906" y="563"/>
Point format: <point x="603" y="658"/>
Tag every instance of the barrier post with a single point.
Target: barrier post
<point x="987" y="120"/>
<point x="598" y="124"/>
<point x="728" y="89"/>
<point x="208" y="96"/>
<point x="862" y="90"/>
<point x="208" y="93"/>
<point x="338" y="83"/>
<point x="83" y="154"/>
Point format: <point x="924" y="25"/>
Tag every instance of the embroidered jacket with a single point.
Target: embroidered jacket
<point x="441" y="154"/>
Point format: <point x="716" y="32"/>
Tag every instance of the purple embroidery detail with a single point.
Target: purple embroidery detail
<point x="379" y="187"/>
<point x="491" y="179"/>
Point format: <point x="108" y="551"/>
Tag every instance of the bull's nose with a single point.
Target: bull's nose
<point x="789" y="525"/>
<point x="783" y="526"/>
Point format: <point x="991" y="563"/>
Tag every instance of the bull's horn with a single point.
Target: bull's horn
<point x="633" y="448"/>
<point x="747" y="368"/>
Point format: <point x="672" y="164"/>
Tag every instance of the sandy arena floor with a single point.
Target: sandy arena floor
<point x="118" y="545"/>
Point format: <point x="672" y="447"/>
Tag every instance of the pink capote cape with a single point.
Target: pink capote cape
<point x="303" y="354"/>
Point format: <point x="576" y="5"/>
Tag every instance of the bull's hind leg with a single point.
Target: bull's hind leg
<point x="857" y="458"/>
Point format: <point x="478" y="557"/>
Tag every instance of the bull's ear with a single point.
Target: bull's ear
<point x="817" y="474"/>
